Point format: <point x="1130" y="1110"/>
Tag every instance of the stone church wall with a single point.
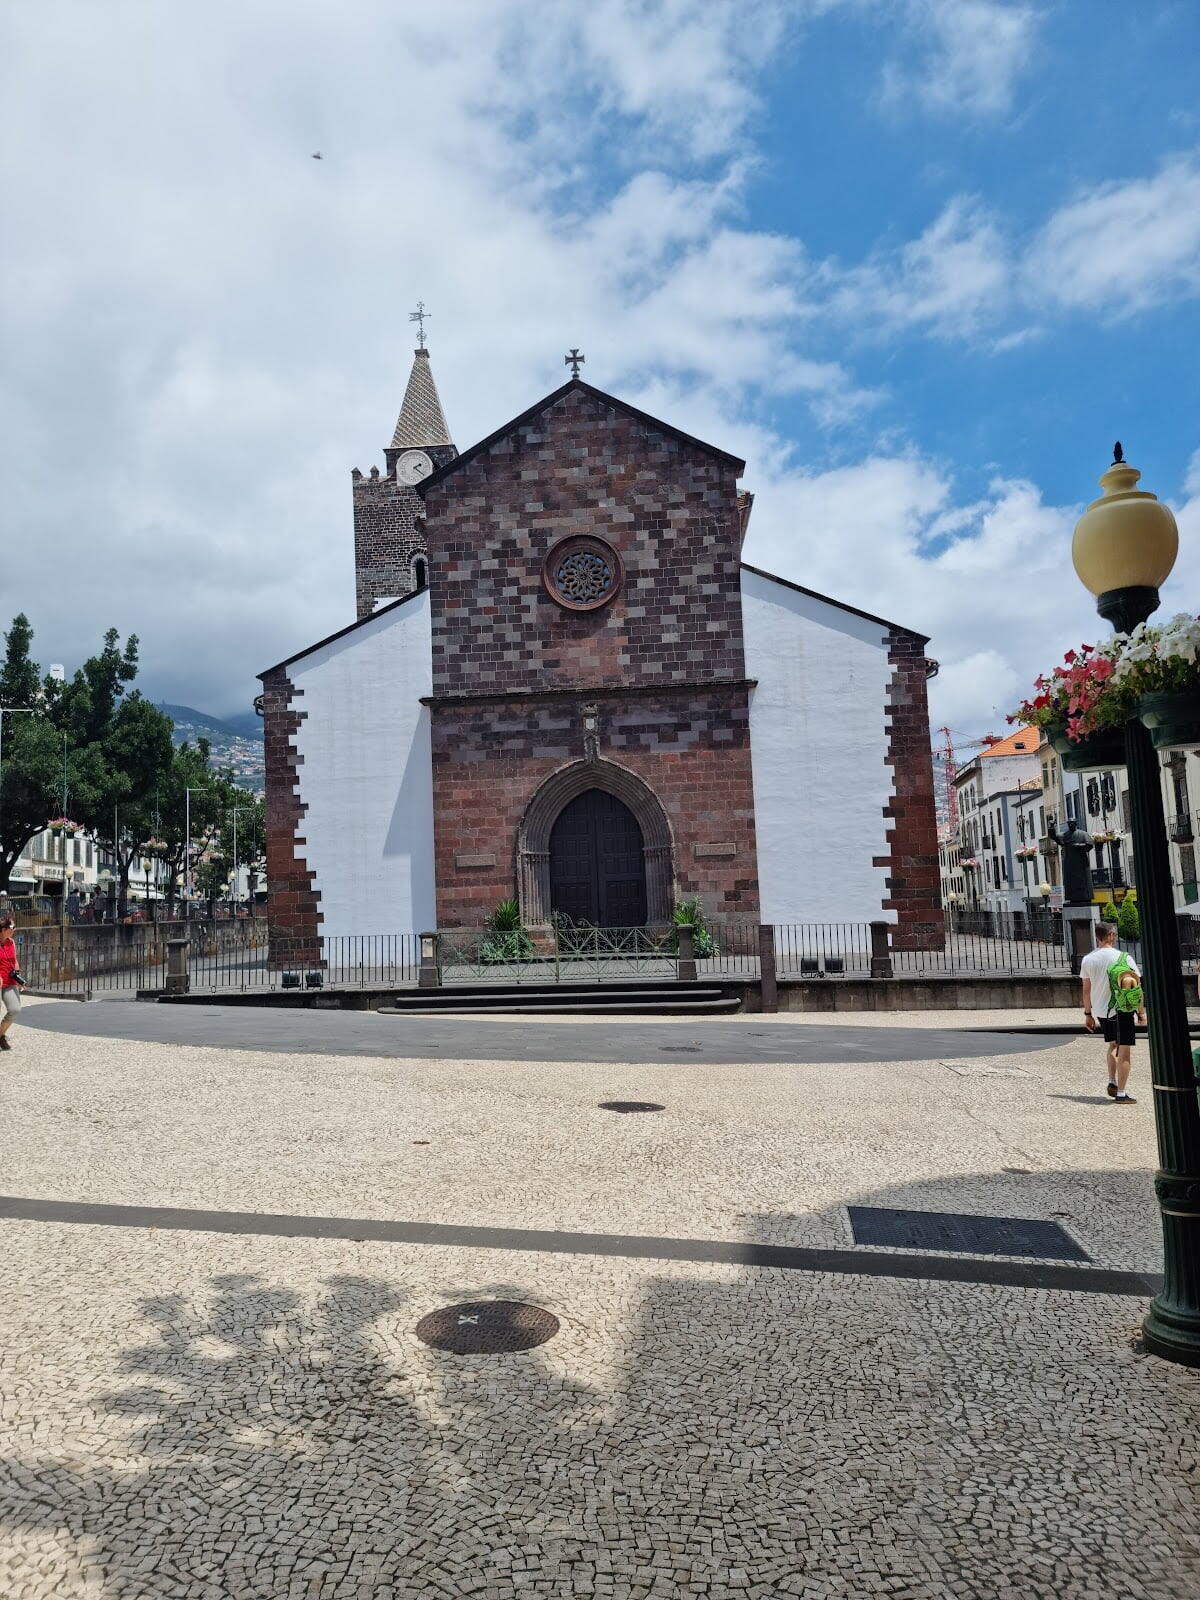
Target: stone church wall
<point x="349" y="788"/>
<point x="662" y="662"/>
<point x="691" y="748"/>
<point x="668" y="508"/>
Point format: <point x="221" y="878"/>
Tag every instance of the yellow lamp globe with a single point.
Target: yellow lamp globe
<point x="1127" y="539"/>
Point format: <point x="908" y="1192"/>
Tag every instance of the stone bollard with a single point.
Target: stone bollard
<point x="428" y="974"/>
<point x="881" y="952"/>
<point x="686" y="965"/>
<point x="766" y="966"/>
<point x="178" y="981"/>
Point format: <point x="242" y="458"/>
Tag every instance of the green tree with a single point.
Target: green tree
<point x="91" y="751"/>
<point x="38" y="771"/>
<point x="123" y="747"/>
<point x="1129" y="924"/>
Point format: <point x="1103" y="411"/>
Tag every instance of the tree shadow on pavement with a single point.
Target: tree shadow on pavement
<point x="691" y="1430"/>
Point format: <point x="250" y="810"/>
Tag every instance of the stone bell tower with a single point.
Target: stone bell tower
<point x="390" y="555"/>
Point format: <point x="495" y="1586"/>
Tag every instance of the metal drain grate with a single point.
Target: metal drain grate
<point x="487" y="1328"/>
<point x="630" y="1105"/>
<point x="968" y="1235"/>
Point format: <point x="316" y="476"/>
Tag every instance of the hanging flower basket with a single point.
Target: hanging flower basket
<point x="62" y="825"/>
<point x="1103" y="749"/>
<point x="1152" y="673"/>
<point x="1172" y="716"/>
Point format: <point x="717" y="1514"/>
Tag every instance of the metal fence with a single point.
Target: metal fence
<point x="227" y="955"/>
<point x="73" y="959"/>
<point x="963" y="954"/>
<point x="823" y="949"/>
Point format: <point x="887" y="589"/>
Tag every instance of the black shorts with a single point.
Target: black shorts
<point x="1119" y="1028"/>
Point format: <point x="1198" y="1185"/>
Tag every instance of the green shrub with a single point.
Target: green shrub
<point x="506" y="938"/>
<point x="1129" y="924"/>
<point x="1108" y="912"/>
<point x="690" y="913"/>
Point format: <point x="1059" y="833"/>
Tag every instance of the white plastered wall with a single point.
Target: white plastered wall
<point x="818" y="745"/>
<point x="367" y="774"/>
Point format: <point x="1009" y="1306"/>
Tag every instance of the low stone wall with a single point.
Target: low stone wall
<point x="924" y="994"/>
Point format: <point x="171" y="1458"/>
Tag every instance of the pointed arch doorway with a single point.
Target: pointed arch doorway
<point x="598" y="862"/>
<point x="613" y="878"/>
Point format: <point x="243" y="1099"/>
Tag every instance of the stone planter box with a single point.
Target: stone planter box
<point x="1105" y="749"/>
<point x="1173" y="718"/>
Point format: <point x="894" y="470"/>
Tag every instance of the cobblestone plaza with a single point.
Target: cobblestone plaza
<point x="197" y="1406"/>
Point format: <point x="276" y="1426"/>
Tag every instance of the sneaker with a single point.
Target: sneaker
<point x="1126" y="1100"/>
<point x="1112" y="1091"/>
<point x="4" y="1044"/>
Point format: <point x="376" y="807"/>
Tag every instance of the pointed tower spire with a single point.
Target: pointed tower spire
<point x="421" y="422"/>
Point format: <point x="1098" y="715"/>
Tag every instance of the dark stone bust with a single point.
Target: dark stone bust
<point x="1076" y="847"/>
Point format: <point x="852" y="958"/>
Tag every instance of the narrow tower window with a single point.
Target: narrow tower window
<point x="420" y="574"/>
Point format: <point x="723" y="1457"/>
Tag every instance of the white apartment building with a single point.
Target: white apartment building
<point x="996" y="790"/>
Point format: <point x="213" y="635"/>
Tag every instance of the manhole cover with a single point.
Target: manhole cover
<point x="487" y="1328"/>
<point x="969" y="1235"/>
<point x="630" y="1105"/>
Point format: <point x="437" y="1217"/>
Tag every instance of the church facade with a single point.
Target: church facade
<point x="565" y="686"/>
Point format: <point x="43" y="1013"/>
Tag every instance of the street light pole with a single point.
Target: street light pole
<point x="1124" y="547"/>
<point x="236" y="812"/>
<point x="187" y="846"/>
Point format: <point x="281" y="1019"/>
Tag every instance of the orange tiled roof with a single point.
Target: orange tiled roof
<point x="1020" y="742"/>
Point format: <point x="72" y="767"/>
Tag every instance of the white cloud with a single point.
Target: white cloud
<point x="1116" y="249"/>
<point x="1122" y="246"/>
<point x="951" y="279"/>
<point x="206" y="329"/>
<point x="964" y="56"/>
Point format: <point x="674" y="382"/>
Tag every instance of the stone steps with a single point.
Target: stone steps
<point x="651" y="999"/>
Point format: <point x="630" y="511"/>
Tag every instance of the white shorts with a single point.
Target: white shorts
<point x="11" y="1000"/>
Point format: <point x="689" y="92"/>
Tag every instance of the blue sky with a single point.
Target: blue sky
<point x="919" y="261"/>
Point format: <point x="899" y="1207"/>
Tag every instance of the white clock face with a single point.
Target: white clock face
<point x="412" y="466"/>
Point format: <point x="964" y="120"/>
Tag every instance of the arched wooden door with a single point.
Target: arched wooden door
<point x="598" y="862"/>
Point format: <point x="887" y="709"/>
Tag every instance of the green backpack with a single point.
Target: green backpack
<point x="1123" y="999"/>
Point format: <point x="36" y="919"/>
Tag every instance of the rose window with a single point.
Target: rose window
<point x="582" y="573"/>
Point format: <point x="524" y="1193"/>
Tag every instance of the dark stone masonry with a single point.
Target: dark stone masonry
<point x="662" y="665"/>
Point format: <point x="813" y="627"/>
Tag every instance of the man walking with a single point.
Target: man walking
<point x="1102" y="1013"/>
<point x="11" y="982"/>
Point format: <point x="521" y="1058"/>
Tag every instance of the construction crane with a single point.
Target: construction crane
<point x="945" y="756"/>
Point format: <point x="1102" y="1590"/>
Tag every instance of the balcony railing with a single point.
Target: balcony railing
<point x="1180" y="828"/>
<point x="1108" y="877"/>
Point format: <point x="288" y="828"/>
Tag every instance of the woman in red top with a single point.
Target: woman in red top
<point x="11" y="981"/>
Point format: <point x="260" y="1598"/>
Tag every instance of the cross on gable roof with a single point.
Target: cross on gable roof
<point x="551" y="399"/>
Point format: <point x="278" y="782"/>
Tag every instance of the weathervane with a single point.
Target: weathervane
<point x="575" y="360"/>
<point x="418" y="316"/>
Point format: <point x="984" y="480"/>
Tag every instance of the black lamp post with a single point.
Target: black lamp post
<point x="1124" y="547"/>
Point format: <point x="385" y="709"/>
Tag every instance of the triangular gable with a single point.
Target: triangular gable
<point x="596" y="394"/>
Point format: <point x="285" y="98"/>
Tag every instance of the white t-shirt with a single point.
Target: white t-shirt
<point x="1094" y="967"/>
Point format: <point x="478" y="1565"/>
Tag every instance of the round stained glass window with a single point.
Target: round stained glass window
<point x="582" y="572"/>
